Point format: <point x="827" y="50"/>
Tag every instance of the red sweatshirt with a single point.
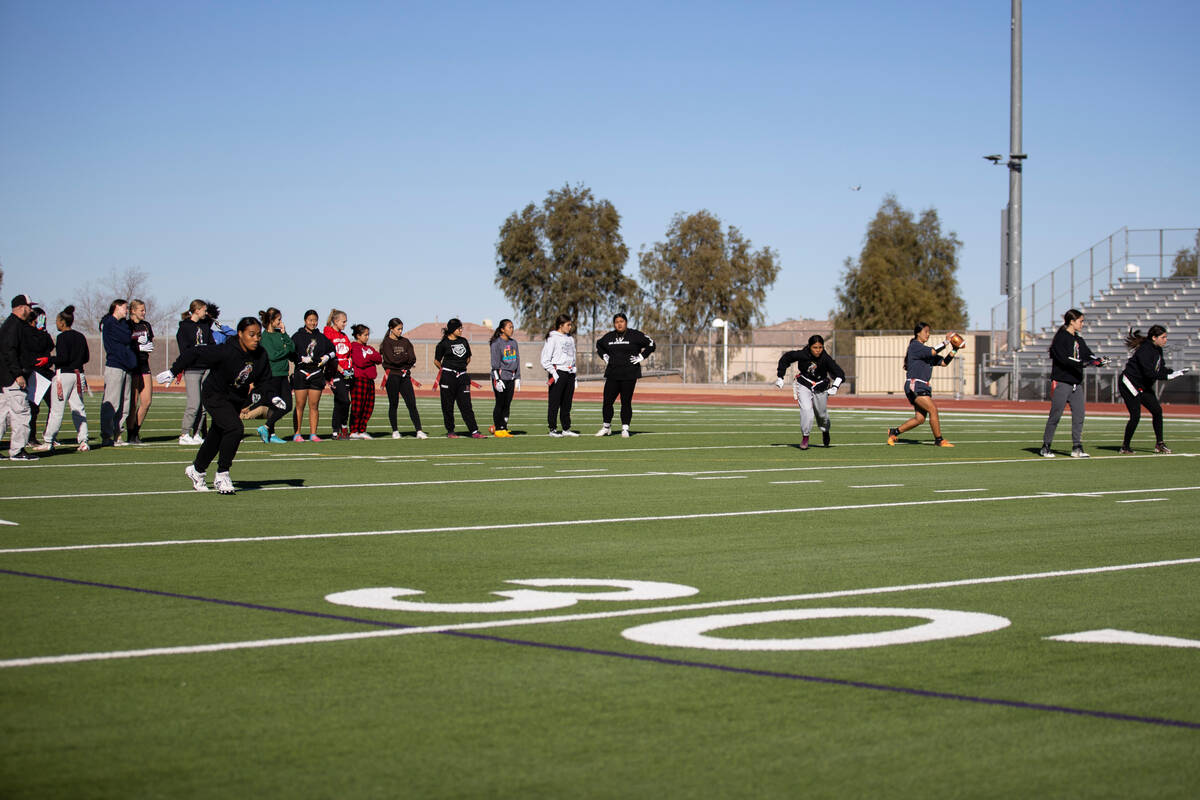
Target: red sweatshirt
<point x="341" y="346"/>
<point x="364" y="357"/>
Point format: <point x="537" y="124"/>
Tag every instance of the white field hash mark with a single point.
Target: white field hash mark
<point x="598" y="615"/>
<point x="760" y="512"/>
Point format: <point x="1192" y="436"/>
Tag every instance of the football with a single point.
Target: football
<point x="957" y="340"/>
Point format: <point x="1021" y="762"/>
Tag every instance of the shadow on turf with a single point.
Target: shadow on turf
<point x="244" y="485"/>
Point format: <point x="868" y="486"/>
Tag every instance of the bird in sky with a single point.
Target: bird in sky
<point x="856" y="188"/>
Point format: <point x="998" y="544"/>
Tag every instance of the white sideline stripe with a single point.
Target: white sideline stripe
<point x="720" y="478"/>
<point x="877" y="486"/>
<point x="949" y="491"/>
<point x="573" y="522"/>
<point x="532" y="466"/>
<point x="1114" y="636"/>
<point x="1147" y="500"/>
<point x="6" y="522"/>
<point x="689" y="474"/>
<point x="596" y="469"/>
<point x="546" y="620"/>
<point x="774" y="483"/>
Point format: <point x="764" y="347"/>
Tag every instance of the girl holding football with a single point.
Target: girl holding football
<point x="919" y="362"/>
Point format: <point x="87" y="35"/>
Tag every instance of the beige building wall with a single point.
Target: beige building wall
<point x="879" y="367"/>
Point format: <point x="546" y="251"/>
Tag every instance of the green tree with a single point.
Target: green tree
<point x="701" y="272"/>
<point x="564" y="257"/>
<point x="1186" y="261"/>
<point x="905" y="273"/>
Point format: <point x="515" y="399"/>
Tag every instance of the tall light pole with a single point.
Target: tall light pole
<point x="1011" y="275"/>
<point x="724" y="323"/>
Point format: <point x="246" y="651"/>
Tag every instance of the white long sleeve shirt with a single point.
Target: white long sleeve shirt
<point x="558" y="353"/>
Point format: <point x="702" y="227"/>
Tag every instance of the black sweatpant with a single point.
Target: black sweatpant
<point x="456" y="388"/>
<point x="1134" y="404"/>
<point x="612" y="388"/>
<point x="562" y="391"/>
<point x="503" y="404"/>
<point x="400" y="385"/>
<point x="225" y="432"/>
<point x="277" y="386"/>
<point x="340" y="388"/>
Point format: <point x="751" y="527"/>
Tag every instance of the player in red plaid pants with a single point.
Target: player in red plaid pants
<point x="364" y="357"/>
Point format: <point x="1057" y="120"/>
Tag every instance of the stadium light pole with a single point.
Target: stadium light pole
<point x="724" y="323"/>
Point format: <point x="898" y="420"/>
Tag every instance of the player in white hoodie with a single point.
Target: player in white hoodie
<point x="558" y="359"/>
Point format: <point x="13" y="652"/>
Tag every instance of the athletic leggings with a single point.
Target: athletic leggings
<point x="399" y="384"/>
<point x="503" y="404"/>
<point x="1134" y="403"/>
<point x="612" y="388"/>
<point x="456" y="388"/>
<point x="562" y="391"/>
<point x="224" y="434"/>
<point x="276" y="386"/>
<point x="339" y="387"/>
<point x="362" y="404"/>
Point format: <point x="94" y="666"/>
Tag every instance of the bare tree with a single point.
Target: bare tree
<point x="94" y="297"/>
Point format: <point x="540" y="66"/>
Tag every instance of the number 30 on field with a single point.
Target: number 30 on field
<point x="694" y="632"/>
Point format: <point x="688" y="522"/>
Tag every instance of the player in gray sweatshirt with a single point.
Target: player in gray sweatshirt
<point x="506" y="375"/>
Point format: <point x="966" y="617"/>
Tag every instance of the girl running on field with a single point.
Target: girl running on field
<point x="817" y="376"/>
<point x="1144" y="367"/>
<point x="919" y="362"/>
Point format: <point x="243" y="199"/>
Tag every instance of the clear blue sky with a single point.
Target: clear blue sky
<point x="365" y="154"/>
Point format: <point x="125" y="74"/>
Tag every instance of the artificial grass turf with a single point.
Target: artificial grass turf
<point x="447" y="715"/>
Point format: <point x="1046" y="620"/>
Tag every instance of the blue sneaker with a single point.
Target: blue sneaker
<point x="263" y="433"/>
<point x="276" y="440"/>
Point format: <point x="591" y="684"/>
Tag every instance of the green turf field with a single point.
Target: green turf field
<point x="702" y="610"/>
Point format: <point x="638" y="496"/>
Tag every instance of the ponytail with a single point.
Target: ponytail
<point x="1135" y="339"/>
<point x="500" y="327"/>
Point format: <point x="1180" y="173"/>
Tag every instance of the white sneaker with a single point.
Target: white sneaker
<point x="556" y="434"/>
<point x="395" y="434"/>
<point x="365" y="435"/>
<point x="422" y="435"/>
<point x="187" y="438"/>
<point x="1079" y="453"/>
<point x="120" y="443"/>
<point x="223" y="483"/>
<point x="197" y="479"/>
<point x="625" y="433"/>
<point x="82" y="448"/>
<point x="570" y="433"/>
<point x="604" y="431"/>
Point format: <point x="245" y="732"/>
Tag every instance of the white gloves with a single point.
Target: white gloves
<point x="165" y="377"/>
<point x="305" y="359"/>
<point x="779" y="383"/>
<point x="637" y="359"/>
<point x="499" y="386"/>
<point x="517" y="385"/>
<point x="832" y="390"/>
<point x="1173" y="375"/>
<point x="553" y="375"/>
<point x="834" y="387"/>
<point x="605" y="357"/>
<point x="144" y="344"/>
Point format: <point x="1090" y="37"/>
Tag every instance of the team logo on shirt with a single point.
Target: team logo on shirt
<point x="458" y="350"/>
<point x="243" y="377"/>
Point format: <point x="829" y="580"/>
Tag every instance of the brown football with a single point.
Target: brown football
<point x="957" y="340"/>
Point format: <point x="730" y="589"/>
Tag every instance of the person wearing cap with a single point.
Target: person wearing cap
<point x="16" y="363"/>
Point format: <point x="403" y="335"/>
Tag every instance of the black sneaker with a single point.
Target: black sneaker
<point x="824" y="437"/>
<point x="22" y="456"/>
<point x="1046" y="452"/>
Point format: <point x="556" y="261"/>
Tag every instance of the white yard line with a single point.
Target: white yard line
<point x="877" y="486"/>
<point x="953" y="491"/>
<point x="721" y="478"/>
<point x="1148" y="500"/>
<point x="552" y="620"/>
<point x="761" y="512"/>
<point x="773" y="483"/>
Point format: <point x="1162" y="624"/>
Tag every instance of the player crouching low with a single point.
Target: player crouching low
<point x="817" y="376"/>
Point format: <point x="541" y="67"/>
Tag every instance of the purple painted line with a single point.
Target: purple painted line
<point x="673" y="662"/>
<point x="217" y="601"/>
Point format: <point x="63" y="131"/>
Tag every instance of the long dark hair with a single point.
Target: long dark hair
<point x="268" y="315"/>
<point x="452" y="324"/>
<point x="120" y="301"/>
<point x="558" y="323"/>
<point x="499" y="328"/>
<point x="816" y="337"/>
<point x="1135" y="339"/>
<point x="1069" y="317"/>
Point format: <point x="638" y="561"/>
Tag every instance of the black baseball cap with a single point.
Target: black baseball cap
<point x="23" y="300"/>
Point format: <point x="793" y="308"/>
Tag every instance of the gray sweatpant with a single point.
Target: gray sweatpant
<point x="68" y="384"/>
<point x="811" y="405"/>
<point x="115" y="406"/>
<point x="14" y="411"/>
<point x="192" y="379"/>
<point x="1062" y="395"/>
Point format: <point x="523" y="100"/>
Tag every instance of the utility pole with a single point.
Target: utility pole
<point x="1015" y="159"/>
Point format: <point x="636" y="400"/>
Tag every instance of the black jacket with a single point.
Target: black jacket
<point x="193" y="334"/>
<point x="815" y="373"/>
<point x="71" y="351"/>
<point x="15" y="359"/>
<point x="620" y="347"/>
<point x="231" y="370"/>
<point x="1145" y="366"/>
<point x="1069" y="354"/>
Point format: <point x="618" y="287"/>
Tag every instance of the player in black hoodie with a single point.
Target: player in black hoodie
<point x="817" y="376"/>
<point x="623" y="350"/>
<point x="1144" y="367"/>
<point x="1069" y="354"/>
<point x="233" y="367"/>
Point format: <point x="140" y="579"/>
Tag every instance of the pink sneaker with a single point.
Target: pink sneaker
<point x="314" y="438"/>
